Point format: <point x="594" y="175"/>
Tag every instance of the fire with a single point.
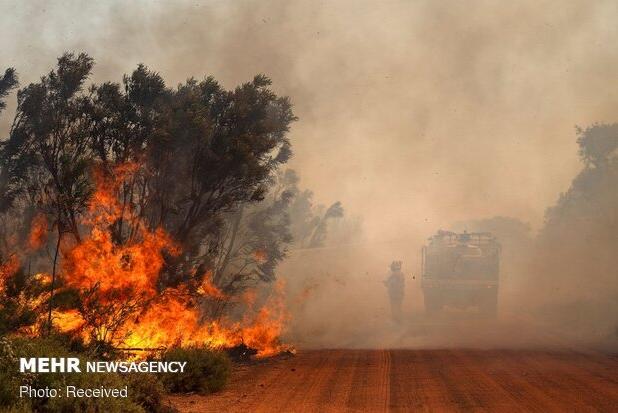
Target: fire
<point x="170" y="322"/>
<point x="7" y="270"/>
<point x="121" y="300"/>
<point x="38" y="232"/>
<point x="207" y="288"/>
<point x="68" y="321"/>
<point x="98" y="261"/>
<point x="260" y="256"/>
<point x="267" y="327"/>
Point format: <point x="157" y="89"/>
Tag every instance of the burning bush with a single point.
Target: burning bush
<point x="137" y="193"/>
<point x="21" y="300"/>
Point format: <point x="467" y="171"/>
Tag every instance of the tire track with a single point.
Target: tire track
<point x="419" y="380"/>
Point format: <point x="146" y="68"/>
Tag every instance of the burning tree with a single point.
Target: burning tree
<point x="134" y="186"/>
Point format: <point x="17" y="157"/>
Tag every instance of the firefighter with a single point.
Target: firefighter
<point x="395" y="284"/>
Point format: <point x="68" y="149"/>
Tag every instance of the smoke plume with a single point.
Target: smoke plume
<point x="415" y="115"/>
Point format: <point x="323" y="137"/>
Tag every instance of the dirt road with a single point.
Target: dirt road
<point x="419" y="380"/>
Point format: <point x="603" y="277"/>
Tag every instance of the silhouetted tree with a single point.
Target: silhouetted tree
<point x="47" y="153"/>
<point x="255" y="240"/>
<point x="46" y="157"/>
<point x="575" y="260"/>
<point x="590" y="206"/>
<point x="598" y="144"/>
<point x="8" y="82"/>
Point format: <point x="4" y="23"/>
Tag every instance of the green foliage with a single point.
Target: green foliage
<point x="9" y="380"/>
<point x="46" y="156"/>
<point x="85" y="404"/>
<point x="201" y="151"/>
<point x="207" y="370"/>
<point x="10" y="352"/>
<point x="18" y="408"/>
<point x="145" y="391"/>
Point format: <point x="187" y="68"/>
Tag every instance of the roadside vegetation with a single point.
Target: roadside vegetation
<point x="207" y="371"/>
<point x="188" y="180"/>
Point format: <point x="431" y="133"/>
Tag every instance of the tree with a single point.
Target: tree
<point x="598" y="144"/>
<point x="309" y="222"/>
<point x="255" y="241"/>
<point x="8" y="82"/>
<point x="180" y="161"/>
<point x="304" y="221"/>
<point x="321" y="229"/>
<point x="46" y="156"/>
<point x="8" y="230"/>
<point x="591" y="203"/>
<point x="191" y="164"/>
<point x="201" y="152"/>
<point x="575" y="258"/>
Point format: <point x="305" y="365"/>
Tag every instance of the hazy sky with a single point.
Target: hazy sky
<point x="413" y="113"/>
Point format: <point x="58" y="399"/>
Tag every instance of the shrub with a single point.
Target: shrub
<point x="18" y="408"/>
<point x="85" y="404"/>
<point x="9" y="381"/>
<point x="148" y="392"/>
<point x="145" y="391"/>
<point x="206" y="371"/>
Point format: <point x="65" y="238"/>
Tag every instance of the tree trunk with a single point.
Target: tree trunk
<point x="53" y="281"/>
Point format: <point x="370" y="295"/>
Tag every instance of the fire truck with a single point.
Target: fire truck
<point x="460" y="271"/>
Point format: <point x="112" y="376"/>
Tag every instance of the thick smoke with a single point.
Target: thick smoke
<point x="416" y="115"/>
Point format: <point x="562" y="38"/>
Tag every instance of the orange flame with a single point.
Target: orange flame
<point x="38" y="232"/>
<point x="170" y="322"/>
<point x="207" y="288"/>
<point x="98" y="261"/>
<point x="7" y="270"/>
<point x="120" y="272"/>
<point x="260" y="256"/>
<point x="69" y="320"/>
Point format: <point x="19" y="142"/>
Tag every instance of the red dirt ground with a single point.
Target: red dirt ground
<point x="418" y="380"/>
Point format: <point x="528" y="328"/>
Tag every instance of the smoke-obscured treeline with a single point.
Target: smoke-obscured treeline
<point x="558" y="285"/>
<point x="193" y="174"/>
<point x="575" y="258"/>
<point x="565" y="276"/>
